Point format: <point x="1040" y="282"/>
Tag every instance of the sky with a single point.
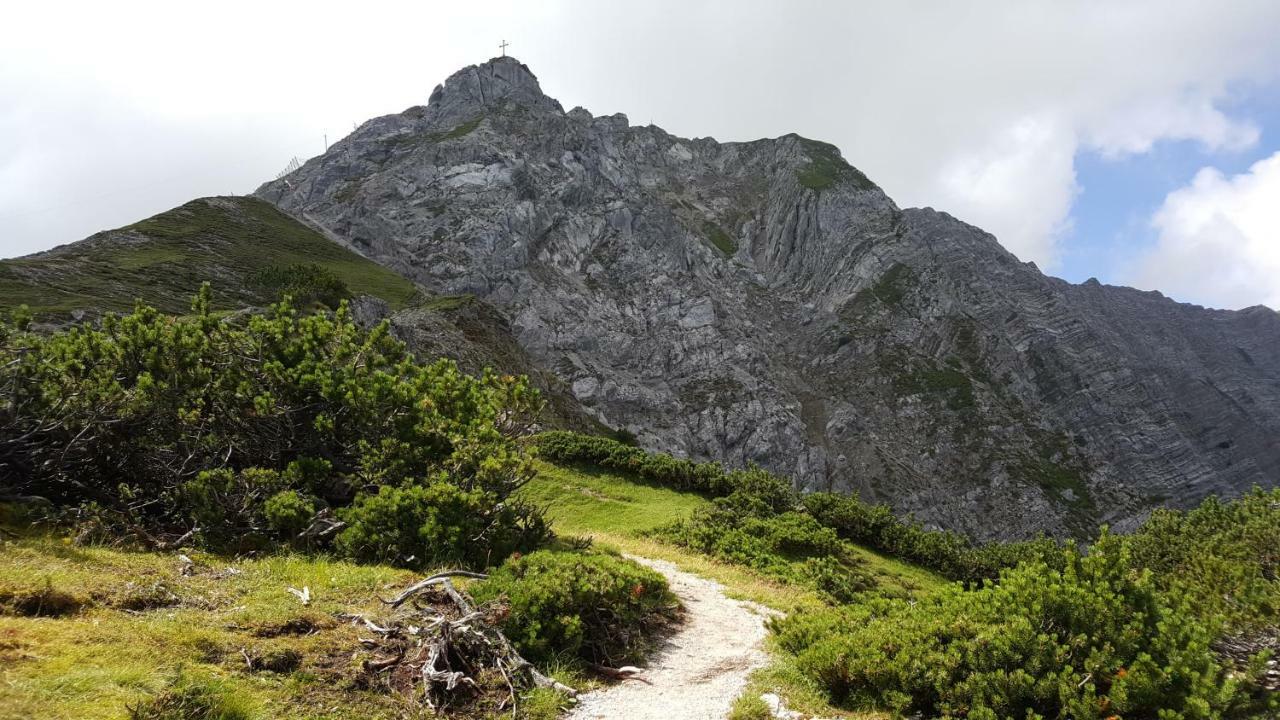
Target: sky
<point x="1133" y="141"/>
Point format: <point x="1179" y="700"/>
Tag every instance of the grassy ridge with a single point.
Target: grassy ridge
<point x="868" y="526"/>
<point x="165" y="258"/>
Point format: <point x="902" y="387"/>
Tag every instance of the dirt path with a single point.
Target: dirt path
<point x="700" y="670"/>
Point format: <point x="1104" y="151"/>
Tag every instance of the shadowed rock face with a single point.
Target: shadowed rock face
<point x="765" y="302"/>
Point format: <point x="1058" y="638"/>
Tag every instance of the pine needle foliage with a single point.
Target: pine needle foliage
<point x="241" y="430"/>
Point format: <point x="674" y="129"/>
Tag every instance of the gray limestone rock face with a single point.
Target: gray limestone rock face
<point x="764" y="302"/>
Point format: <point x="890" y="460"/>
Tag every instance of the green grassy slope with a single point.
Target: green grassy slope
<point x="227" y="241"/>
<point x="138" y="621"/>
<point x="617" y="510"/>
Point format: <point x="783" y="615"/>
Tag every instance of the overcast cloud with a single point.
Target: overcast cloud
<point x="1219" y="239"/>
<point x="112" y="112"/>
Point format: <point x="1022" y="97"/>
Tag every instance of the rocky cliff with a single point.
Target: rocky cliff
<point x="765" y="302"/>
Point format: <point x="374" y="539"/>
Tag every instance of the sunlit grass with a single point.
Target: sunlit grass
<point x="96" y="662"/>
<point x="617" y="512"/>
<point x="583" y="501"/>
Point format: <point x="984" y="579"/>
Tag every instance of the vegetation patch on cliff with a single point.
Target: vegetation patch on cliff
<point x="460" y="130"/>
<point x="891" y="288"/>
<point x="826" y="168"/>
<point x="719" y="238"/>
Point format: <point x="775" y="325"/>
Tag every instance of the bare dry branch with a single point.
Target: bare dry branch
<point x="440" y="650"/>
<point x="433" y="580"/>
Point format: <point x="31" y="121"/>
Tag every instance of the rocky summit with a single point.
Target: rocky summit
<point x="765" y="302"/>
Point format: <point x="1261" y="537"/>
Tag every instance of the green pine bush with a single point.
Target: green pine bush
<point x="1095" y="639"/>
<point x="950" y="554"/>
<point x="597" y="607"/>
<point x="570" y="448"/>
<point x="289" y="513"/>
<point x="305" y="283"/>
<point x="234" y="427"/>
<point x="747" y="529"/>
<point x="1225" y="556"/>
<point x="438" y="523"/>
<point x="1126" y="629"/>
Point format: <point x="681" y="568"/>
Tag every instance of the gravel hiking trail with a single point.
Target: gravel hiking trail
<point x="699" y="670"/>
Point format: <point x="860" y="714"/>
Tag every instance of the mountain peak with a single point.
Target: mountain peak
<point x="492" y="85"/>
<point x="764" y="302"/>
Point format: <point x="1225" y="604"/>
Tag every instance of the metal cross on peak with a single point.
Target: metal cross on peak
<point x="504" y="47"/>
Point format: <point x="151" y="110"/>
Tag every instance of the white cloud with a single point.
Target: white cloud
<point x="1032" y="159"/>
<point x="977" y="108"/>
<point x="1136" y="127"/>
<point x="1218" y="239"/>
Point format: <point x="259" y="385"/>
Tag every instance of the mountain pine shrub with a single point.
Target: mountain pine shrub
<point x="305" y="283"/>
<point x="1224" y="555"/>
<point x="1095" y="638"/>
<point x="234" y="427"/>
<point x="589" y="605"/>
<point x="948" y="553"/>
<point x="438" y="523"/>
<point x="570" y="448"/>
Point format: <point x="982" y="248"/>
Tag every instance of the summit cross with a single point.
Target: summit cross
<point x="504" y="47"/>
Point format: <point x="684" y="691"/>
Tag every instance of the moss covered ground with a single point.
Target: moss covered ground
<point x="89" y="632"/>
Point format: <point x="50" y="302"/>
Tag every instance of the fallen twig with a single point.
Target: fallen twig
<point x="322" y="526"/>
<point x="626" y="672"/>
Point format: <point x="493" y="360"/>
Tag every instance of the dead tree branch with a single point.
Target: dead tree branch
<point x="436" y="649"/>
<point x="433" y="580"/>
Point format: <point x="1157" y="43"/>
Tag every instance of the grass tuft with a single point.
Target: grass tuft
<point x="194" y="698"/>
<point x="542" y="704"/>
<point x="721" y="239"/>
<point x="45" y="601"/>
<point x="750" y="707"/>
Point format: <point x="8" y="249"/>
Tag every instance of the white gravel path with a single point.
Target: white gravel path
<point x="700" y="670"/>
